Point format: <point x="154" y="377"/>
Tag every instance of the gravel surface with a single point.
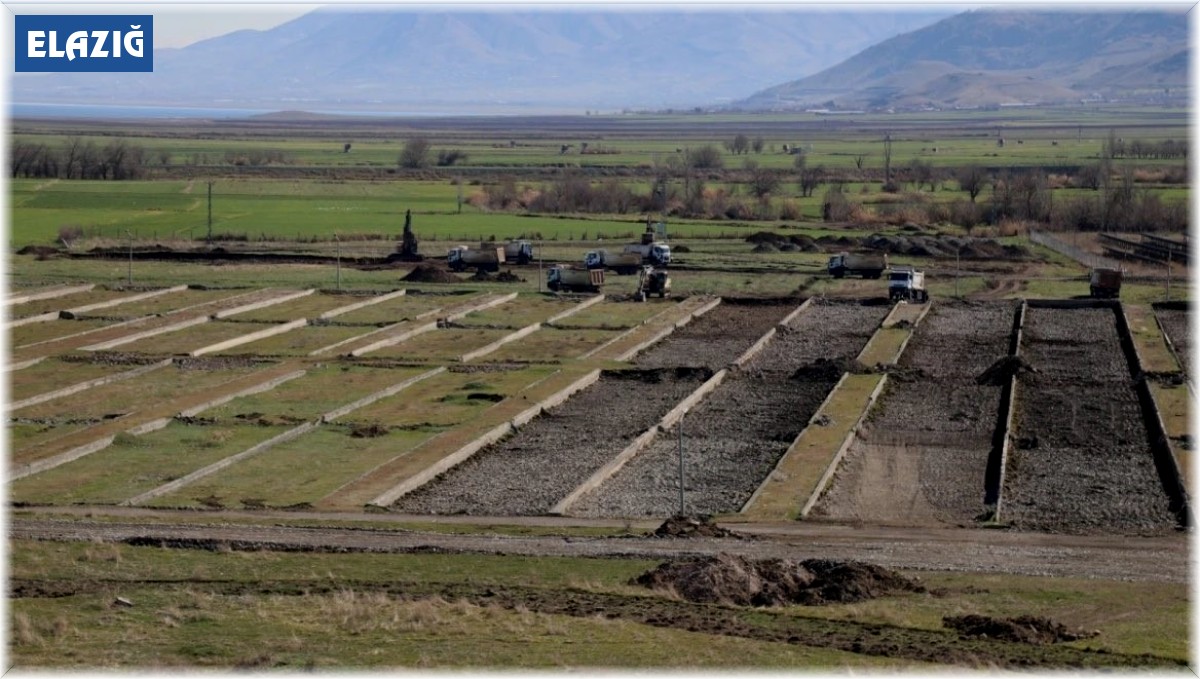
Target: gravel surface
<point x="923" y="455"/>
<point x="735" y="436"/>
<point x="1178" y="327"/>
<point x="1163" y="559"/>
<point x="1082" y="463"/>
<point x="717" y="338"/>
<point x="548" y="458"/>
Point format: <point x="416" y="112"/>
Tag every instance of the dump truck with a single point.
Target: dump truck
<point x="574" y="279"/>
<point x="624" y="263"/>
<point x="1106" y="283"/>
<point x="906" y="283"/>
<point x="519" y="251"/>
<point x="652" y="281"/>
<point x="865" y="265"/>
<point x="657" y="254"/>
<point x="487" y="259"/>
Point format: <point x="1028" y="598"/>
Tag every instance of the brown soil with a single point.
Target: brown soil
<point x="734" y="580"/>
<point x="372" y="430"/>
<point x="691" y="527"/>
<point x="428" y="273"/>
<point x="999" y="373"/>
<point x="1025" y="629"/>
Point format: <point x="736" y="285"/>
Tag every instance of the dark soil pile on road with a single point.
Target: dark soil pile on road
<point x="732" y="579"/>
<point x="1025" y="629"/>
<point x="692" y="527"/>
<point x="999" y="373"/>
<point x="826" y="369"/>
<point x="427" y="273"/>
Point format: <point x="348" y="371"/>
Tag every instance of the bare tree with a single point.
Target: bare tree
<point x="758" y="144"/>
<point x="415" y="154"/>
<point x="707" y="157"/>
<point x="739" y="145"/>
<point x="810" y="179"/>
<point x="971" y="179"/>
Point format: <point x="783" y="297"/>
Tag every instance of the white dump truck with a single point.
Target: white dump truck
<point x="655" y="254"/>
<point x="574" y="279"/>
<point x="906" y="283"/>
<point x="624" y="263"/>
<point x="462" y="258"/>
<point x="865" y="265"/>
<point x="519" y="251"/>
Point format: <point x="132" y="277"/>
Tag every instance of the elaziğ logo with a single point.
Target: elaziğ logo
<point x="85" y="43"/>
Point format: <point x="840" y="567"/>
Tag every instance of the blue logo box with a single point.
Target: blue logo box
<point x="84" y="43"/>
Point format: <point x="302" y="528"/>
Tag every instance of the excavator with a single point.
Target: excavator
<point x="652" y="281"/>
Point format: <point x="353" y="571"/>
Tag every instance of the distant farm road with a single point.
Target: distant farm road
<point x="1158" y="559"/>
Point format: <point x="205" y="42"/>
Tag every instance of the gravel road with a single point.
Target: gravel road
<point x="1160" y="559"/>
<point x="1082" y="463"/>
<point x="541" y="464"/>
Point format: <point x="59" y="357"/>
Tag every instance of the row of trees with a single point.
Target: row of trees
<point x="78" y="159"/>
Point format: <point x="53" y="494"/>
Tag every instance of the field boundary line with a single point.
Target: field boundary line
<point x="132" y="321"/>
<point x="151" y="425"/>
<point x="489" y="437"/>
<point x="88" y="384"/>
<point x="57" y="291"/>
<point x="250" y="337"/>
<point x="658" y="337"/>
<point x="640" y="443"/>
<point x="630" y="331"/>
<point x="220" y="464"/>
<point x="254" y="306"/>
<point x="589" y="302"/>
<point x="841" y="451"/>
<point x="365" y="303"/>
<point x="786" y="320"/>
<point x="996" y="470"/>
<point x="137" y="336"/>
<point x="387" y="341"/>
<point x="30" y="320"/>
<point x="24" y="364"/>
<point x="511" y="337"/>
<point x="381" y="394"/>
<point x="1185" y="370"/>
<point x="485" y="303"/>
<point x="125" y="300"/>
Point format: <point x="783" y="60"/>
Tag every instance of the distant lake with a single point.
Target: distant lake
<point x="100" y="111"/>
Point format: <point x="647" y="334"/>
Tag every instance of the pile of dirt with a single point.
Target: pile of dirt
<point x="481" y="275"/>
<point x="999" y="373"/>
<point x="765" y="247"/>
<point x="428" y="273"/>
<point x="41" y="251"/>
<point x="508" y="277"/>
<point x="1026" y="629"/>
<point x="680" y="248"/>
<point x="732" y="579"/>
<point x="824" y="369"/>
<point x="368" y="431"/>
<point x="765" y="237"/>
<point x="692" y="527"/>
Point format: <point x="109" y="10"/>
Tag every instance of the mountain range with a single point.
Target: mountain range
<point x="995" y="58"/>
<point x="477" y="62"/>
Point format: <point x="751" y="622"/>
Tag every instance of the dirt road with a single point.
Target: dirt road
<point x="1161" y="559"/>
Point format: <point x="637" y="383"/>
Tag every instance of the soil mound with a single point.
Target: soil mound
<point x="508" y="277"/>
<point x="39" y="250"/>
<point x="824" y="369"/>
<point x="1025" y="629"/>
<point x="1000" y="372"/>
<point x="765" y="247"/>
<point x="680" y="248"/>
<point x="692" y="527"/>
<point x="765" y="237"/>
<point x="427" y="273"/>
<point x="732" y="579"/>
<point x="481" y="275"/>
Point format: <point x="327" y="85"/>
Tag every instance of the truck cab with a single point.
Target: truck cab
<point x="906" y="283"/>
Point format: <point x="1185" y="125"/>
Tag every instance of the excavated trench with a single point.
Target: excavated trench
<point x="734" y="437"/>
<point x="1081" y="462"/>
<point x="546" y="459"/>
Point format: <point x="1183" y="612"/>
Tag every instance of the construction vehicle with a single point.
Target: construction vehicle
<point x="650" y="250"/>
<point x="624" y="263"/>
<point x="574" y="279"/>
<point x="1106" y="283"/>
<point x="865" y="265"/>
<point x="519" y="251"/>
<point x="651" y="281"/>
<point x="906" y="283"/>
<point x="486" y="259"/>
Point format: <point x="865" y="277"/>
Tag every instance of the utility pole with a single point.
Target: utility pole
<point x="129" y="276"/>
<point x="957" y="269"/>
<point x="210" y="213"/>
<point x="338" y="246"/>
<point x="681" y="461"/>
<point x="1168" y="275"/>
<point x="539" y="247"/>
